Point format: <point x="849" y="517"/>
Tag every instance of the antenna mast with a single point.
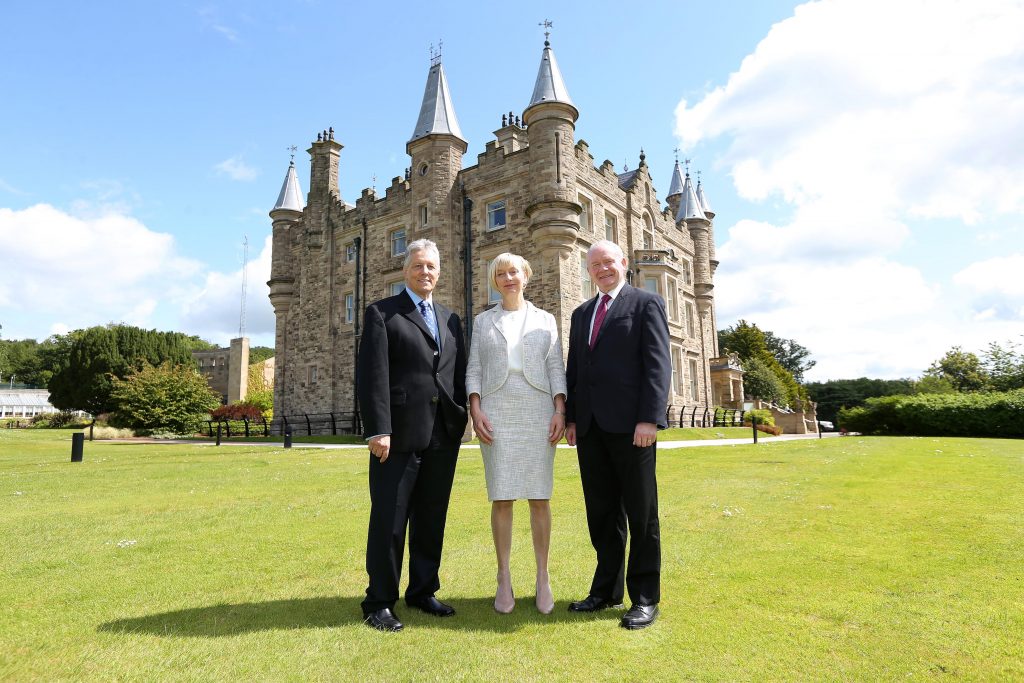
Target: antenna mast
<point x="245" y="283"/>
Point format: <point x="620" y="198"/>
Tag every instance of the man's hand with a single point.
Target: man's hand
<point x="380" y="446"/>
<point x="646" y="434"/>
<point x="570" y="433"/>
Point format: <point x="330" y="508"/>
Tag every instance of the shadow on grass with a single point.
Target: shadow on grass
<point x="218" y="621"/>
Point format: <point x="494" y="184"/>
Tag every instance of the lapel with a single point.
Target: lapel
<point x="497" y="318"/>
<point x="617" y="309"/>
<point x="586" y="313"/>
<point x="442" y="314"/>
<point x="413" y="315"/>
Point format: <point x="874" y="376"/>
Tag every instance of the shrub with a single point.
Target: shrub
<point x="764" y="417"/>
<point x="172" y="398"/>
<point x="59" y="420"/>
<point x="998" y="414"/>
<point x="237" y="411"/>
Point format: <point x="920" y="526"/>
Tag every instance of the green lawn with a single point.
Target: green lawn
<point x="841" y="559"/>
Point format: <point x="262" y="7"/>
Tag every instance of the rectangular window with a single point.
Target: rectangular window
<point x="677" y="370"/>
<point x="213" y="362"/>
<point x="311" y="374"/>
<point x="690" y="327"/>
<point x="396" y="288"/>
<point x="350" y="253"/>
<point x="423" y="215"/>
<point x="687" y="272"/>
<point x="609" y="227"/>
<point x="350" y="307"/>
<point x="693" y="380"/>
<point x="492" y="294"/>
<point x="587" y="215"/>
<point x="398" y="242"/>
<point x="496" y="215"/>
<point x="651" y="284"/>
<point x="648" y="240"/>
<point x="672" y="300"/>
<point x="588" y="284"/>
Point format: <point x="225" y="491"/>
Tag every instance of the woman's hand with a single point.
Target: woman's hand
<point x="557" y="428"/>
<point x="482" y="425"/>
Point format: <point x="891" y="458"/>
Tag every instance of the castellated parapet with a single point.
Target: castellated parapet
<point x="534" y="190"/>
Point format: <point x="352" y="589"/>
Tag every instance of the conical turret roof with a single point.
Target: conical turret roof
<point x="689" y="208"/>
<point x="704" y="205"/>
<point x="549" y="86"/>
<point x="291" y="193"/>
<point x="437" y="115"/>
<point x="677" y="182"/>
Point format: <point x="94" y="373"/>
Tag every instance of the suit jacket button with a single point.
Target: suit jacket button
<point x="433" y="399"/>
<point x="435" y="354"/>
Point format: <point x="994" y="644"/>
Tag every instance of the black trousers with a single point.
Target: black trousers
<point x="620" y="489"/>
<point x="409" y="489"/>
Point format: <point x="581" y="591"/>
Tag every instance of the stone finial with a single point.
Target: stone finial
<point x="331" y="131"/>
<point x="643" y="157"/>
<point x="504" y="121"/>
<point x="517" y="120"/>
<point x="319" y="137"/>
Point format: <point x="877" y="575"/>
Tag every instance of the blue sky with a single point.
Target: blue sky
<point x="864" y="158"/>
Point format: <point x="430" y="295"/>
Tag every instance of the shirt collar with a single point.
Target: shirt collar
<point x="614" y="293"/>
<point x="416" y="298"/>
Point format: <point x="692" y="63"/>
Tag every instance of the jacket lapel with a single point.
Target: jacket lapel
<point x="413" y="314"/>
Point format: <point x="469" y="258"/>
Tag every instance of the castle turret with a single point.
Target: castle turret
<point x="436" y="148"/>
<point x="325" y="155"/>
<point x="675" y="190"/>
<point x="551" y="123"/>
<point x="285" y="219"/>
<point x="692" y="217"/>
<point x="705" y="206"/>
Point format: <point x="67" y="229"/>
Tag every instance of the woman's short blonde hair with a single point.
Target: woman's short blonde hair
<point x="505" y="260"/>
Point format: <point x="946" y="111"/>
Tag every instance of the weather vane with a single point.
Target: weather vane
<point x="676" y="151"/>
<point x="686" y="163"/>
<point x="293" y="149"/>
<point x="698" y="176"/>
<point x="435" y="57"/>
<point x="374" y="180"/>
<point x="546" y="24"/>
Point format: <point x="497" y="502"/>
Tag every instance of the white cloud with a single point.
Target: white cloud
<point x="995" y="287"/>
<point x="236" y="169"/>
<point x="869" y="119"/>
<point x="61" y="263"/>
<point x="213" y="309"/>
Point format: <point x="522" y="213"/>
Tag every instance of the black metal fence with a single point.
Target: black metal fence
<point x="703" y="417"/>
<point x="302" y="424"/>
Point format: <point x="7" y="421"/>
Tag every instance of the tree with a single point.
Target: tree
<point x="760" y="381"/>
<point x="172" y="397"/>
<point x="258" y="354"/>
<point x="1004" y="366"/>
<point x="962" y="369"/>
<point x="833" y="395"/>
<point x="791" y="355"/>
<point x="98" y="355"/>
<point x="750" y="343"/>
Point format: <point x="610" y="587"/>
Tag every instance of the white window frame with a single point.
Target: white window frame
<point x="424" y="216"/>
<point x="587" y="283"/>
<point x="311" y="374"/>
<point x="396" y="236"/>
<point x="610" y="227"/>
<point x="396" y="288"/>
<point x="677" y="370"/>
<point x="687" y="272"/>
<point x="691" y="328"/>
<point x="694" y="382"/>
<point x="492" y="212"/>
<point x="350" y="252"/>
<point x="648" y="232"/>
<point x="648" y="279"/>
<point x="672" y="300"/>
<point x="350" y="307"/>
<point x="587" y="214"/>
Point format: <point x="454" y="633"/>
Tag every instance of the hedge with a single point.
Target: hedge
<point x="998" y="414"/>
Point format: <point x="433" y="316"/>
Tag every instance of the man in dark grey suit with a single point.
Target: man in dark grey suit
<point x="412" y="394"/>
<point x="618" y="376"/>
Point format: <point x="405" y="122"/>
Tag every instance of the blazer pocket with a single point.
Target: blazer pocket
<point x="398" y="397"/>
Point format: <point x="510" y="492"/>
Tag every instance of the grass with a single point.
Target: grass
<point x="839" y="559"/>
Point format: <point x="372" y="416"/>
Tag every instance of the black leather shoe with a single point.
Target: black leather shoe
<point x="591" y="603"/>
<point x="432" y="605"/>
<point x="383" y="620"/>
<point x="639" y="616"/>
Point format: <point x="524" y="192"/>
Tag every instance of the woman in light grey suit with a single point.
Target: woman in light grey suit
<point x="516" y="387"/>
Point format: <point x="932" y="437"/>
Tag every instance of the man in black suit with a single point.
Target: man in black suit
<point x="619" y="375"/>
<point x="412" y="392"/>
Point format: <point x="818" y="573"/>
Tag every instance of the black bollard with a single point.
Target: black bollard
<point x="753" y="424"/>
<point x="218" y="433"/>
<point x="77" y="446"/>
<point x="288" y="436"/>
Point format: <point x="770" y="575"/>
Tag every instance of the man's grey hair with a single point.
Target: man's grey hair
<point x="609" y="245"/>
<point x="420" y="245"/>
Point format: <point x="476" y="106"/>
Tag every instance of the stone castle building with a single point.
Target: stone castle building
<point x="536" y="191"/>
